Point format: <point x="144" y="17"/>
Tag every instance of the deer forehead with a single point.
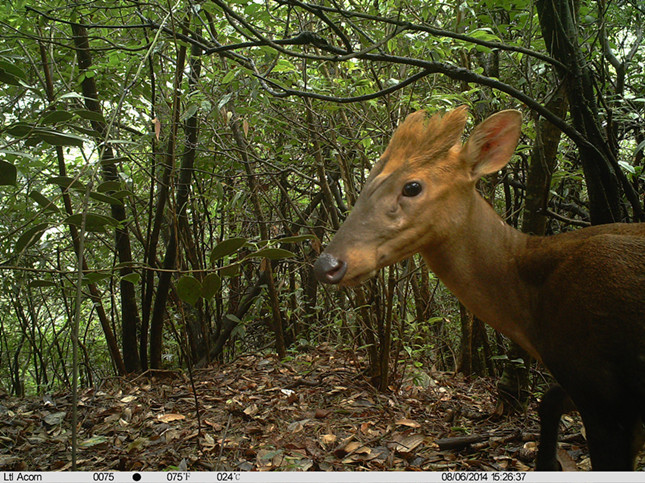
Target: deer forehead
<point x="420" y="141"/>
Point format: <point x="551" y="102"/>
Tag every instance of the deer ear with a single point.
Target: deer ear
<point x="492" y="143"/>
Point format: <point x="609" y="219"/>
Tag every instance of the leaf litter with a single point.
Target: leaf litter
<point x="313" y="412"/>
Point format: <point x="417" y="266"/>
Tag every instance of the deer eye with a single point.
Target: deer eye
<point x="412" y="188"/>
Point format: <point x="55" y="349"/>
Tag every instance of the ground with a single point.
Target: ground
<point x="313" y="412"/>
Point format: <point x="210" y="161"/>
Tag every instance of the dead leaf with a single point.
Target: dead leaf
<point x="167" y="418"/>
<point x="316" y="246"/>
<point x="301" y="464"/>
<point x="216" y="426"/>
<point x="380" y="453"/>
<point x="54" y="419"/>
<point x="297" y="426"/>
<point x="329" y="424"/>
<point x="269" y="459"/>
<point x="137" y="444"/>
<point x="327" y="439"/>
<point x="407" y="422"/>
<point x="251" y="410"/>
<point x="208" y="440"/>
<point x="172" y="435"/>
<point x="566" y="461"/>
<point x="356" y="452"/>
<point x="322" y="413"/>
<point x="357" y="447"/>
<point x="94" y="441"/>
<point x="157" y="124"/>
<point x="406" y="444"/>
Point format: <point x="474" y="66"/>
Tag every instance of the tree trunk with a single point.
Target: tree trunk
<point x="95" y="296"/>
<point x="474" y="345"/>
<point x="276" y="314"/>
<point x="197" y="332"/>
<point x="560" y="33"/>
<point x="159" y="308"/>
<point x="129" y="310"/>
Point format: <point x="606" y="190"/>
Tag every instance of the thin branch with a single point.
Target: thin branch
<point x="263" y="39"/>
<point x="424" y="28"/>
<point x="88" y="26"/>
<point x="335" y="28"/>
<point x="286" y="92"/>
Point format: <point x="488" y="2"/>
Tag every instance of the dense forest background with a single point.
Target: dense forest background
<point x="169" y="172"/>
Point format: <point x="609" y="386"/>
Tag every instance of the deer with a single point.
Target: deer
<point x="574" y="301"/>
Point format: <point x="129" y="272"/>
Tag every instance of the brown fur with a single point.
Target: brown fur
<point x="420" y="139"/>
<point x="576" y="301"/>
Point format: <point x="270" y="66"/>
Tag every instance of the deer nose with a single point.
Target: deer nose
<point x="328" y="269"/>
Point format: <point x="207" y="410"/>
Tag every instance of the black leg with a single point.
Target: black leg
<point x="554" y="403"/>
<point x="611" y="438"/>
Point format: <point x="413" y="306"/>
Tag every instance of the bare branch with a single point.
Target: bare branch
<point x="424" y="28"/>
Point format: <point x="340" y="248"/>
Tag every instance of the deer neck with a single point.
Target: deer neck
<point x="478" y="264"/>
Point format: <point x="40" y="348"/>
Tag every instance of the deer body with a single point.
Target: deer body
<point x="575" y="301"/>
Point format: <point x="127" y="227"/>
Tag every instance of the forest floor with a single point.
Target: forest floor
<point x="313" y="412"/>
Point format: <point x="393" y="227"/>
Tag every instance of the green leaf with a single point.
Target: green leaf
<point x="230" y="75"/>
<point x="484" y="49"/>
<point x="503" y="357"/>
<point x="67" y="183"/>
<point x="233" y="318"/>
<point x="43" y="201"/>
<point x="190" y="112"/>
<point x="211" y="285"/>
<point x="8" y="174"/>
<point x="227" y="247"/>
<point x="71" y="95"/>
<point x="11" y="74"/>
<point x="93" y="133"/>
<point x="121" y="194"/>
<point x="109" y="186"/>
<point x="93" y="222"/>
<point x="58" y="138"/>
<point x="95" y="277"/>
<point x="222" y="102"/>
<point x="111" y="200"/>
<point x="13" y="69"/>
<point x="296" y="238"/>
<point x="7" y="78"/>
<point x="272" y="254"/>
<point x="284" y="65"/>
<point x="11" y="152"/>
<point x="30" y="237"/>
<point x="230" y="270"/>
<point x="189" y="289"/>
<point x="41" y="283"/>
<point x="89" y="115"/>
<point x="94" y="441"/>
<point x="623" y="164"/>
<point x="20" y="129"/>
<point x="484" y="34"/>
<point x="133" y="277"/>
<point x="56" y="116"/>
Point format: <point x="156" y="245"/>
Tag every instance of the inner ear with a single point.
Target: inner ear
<point x="492" y="143"/>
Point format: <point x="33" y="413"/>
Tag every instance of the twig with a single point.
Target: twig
<point x="221" y="446"/>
